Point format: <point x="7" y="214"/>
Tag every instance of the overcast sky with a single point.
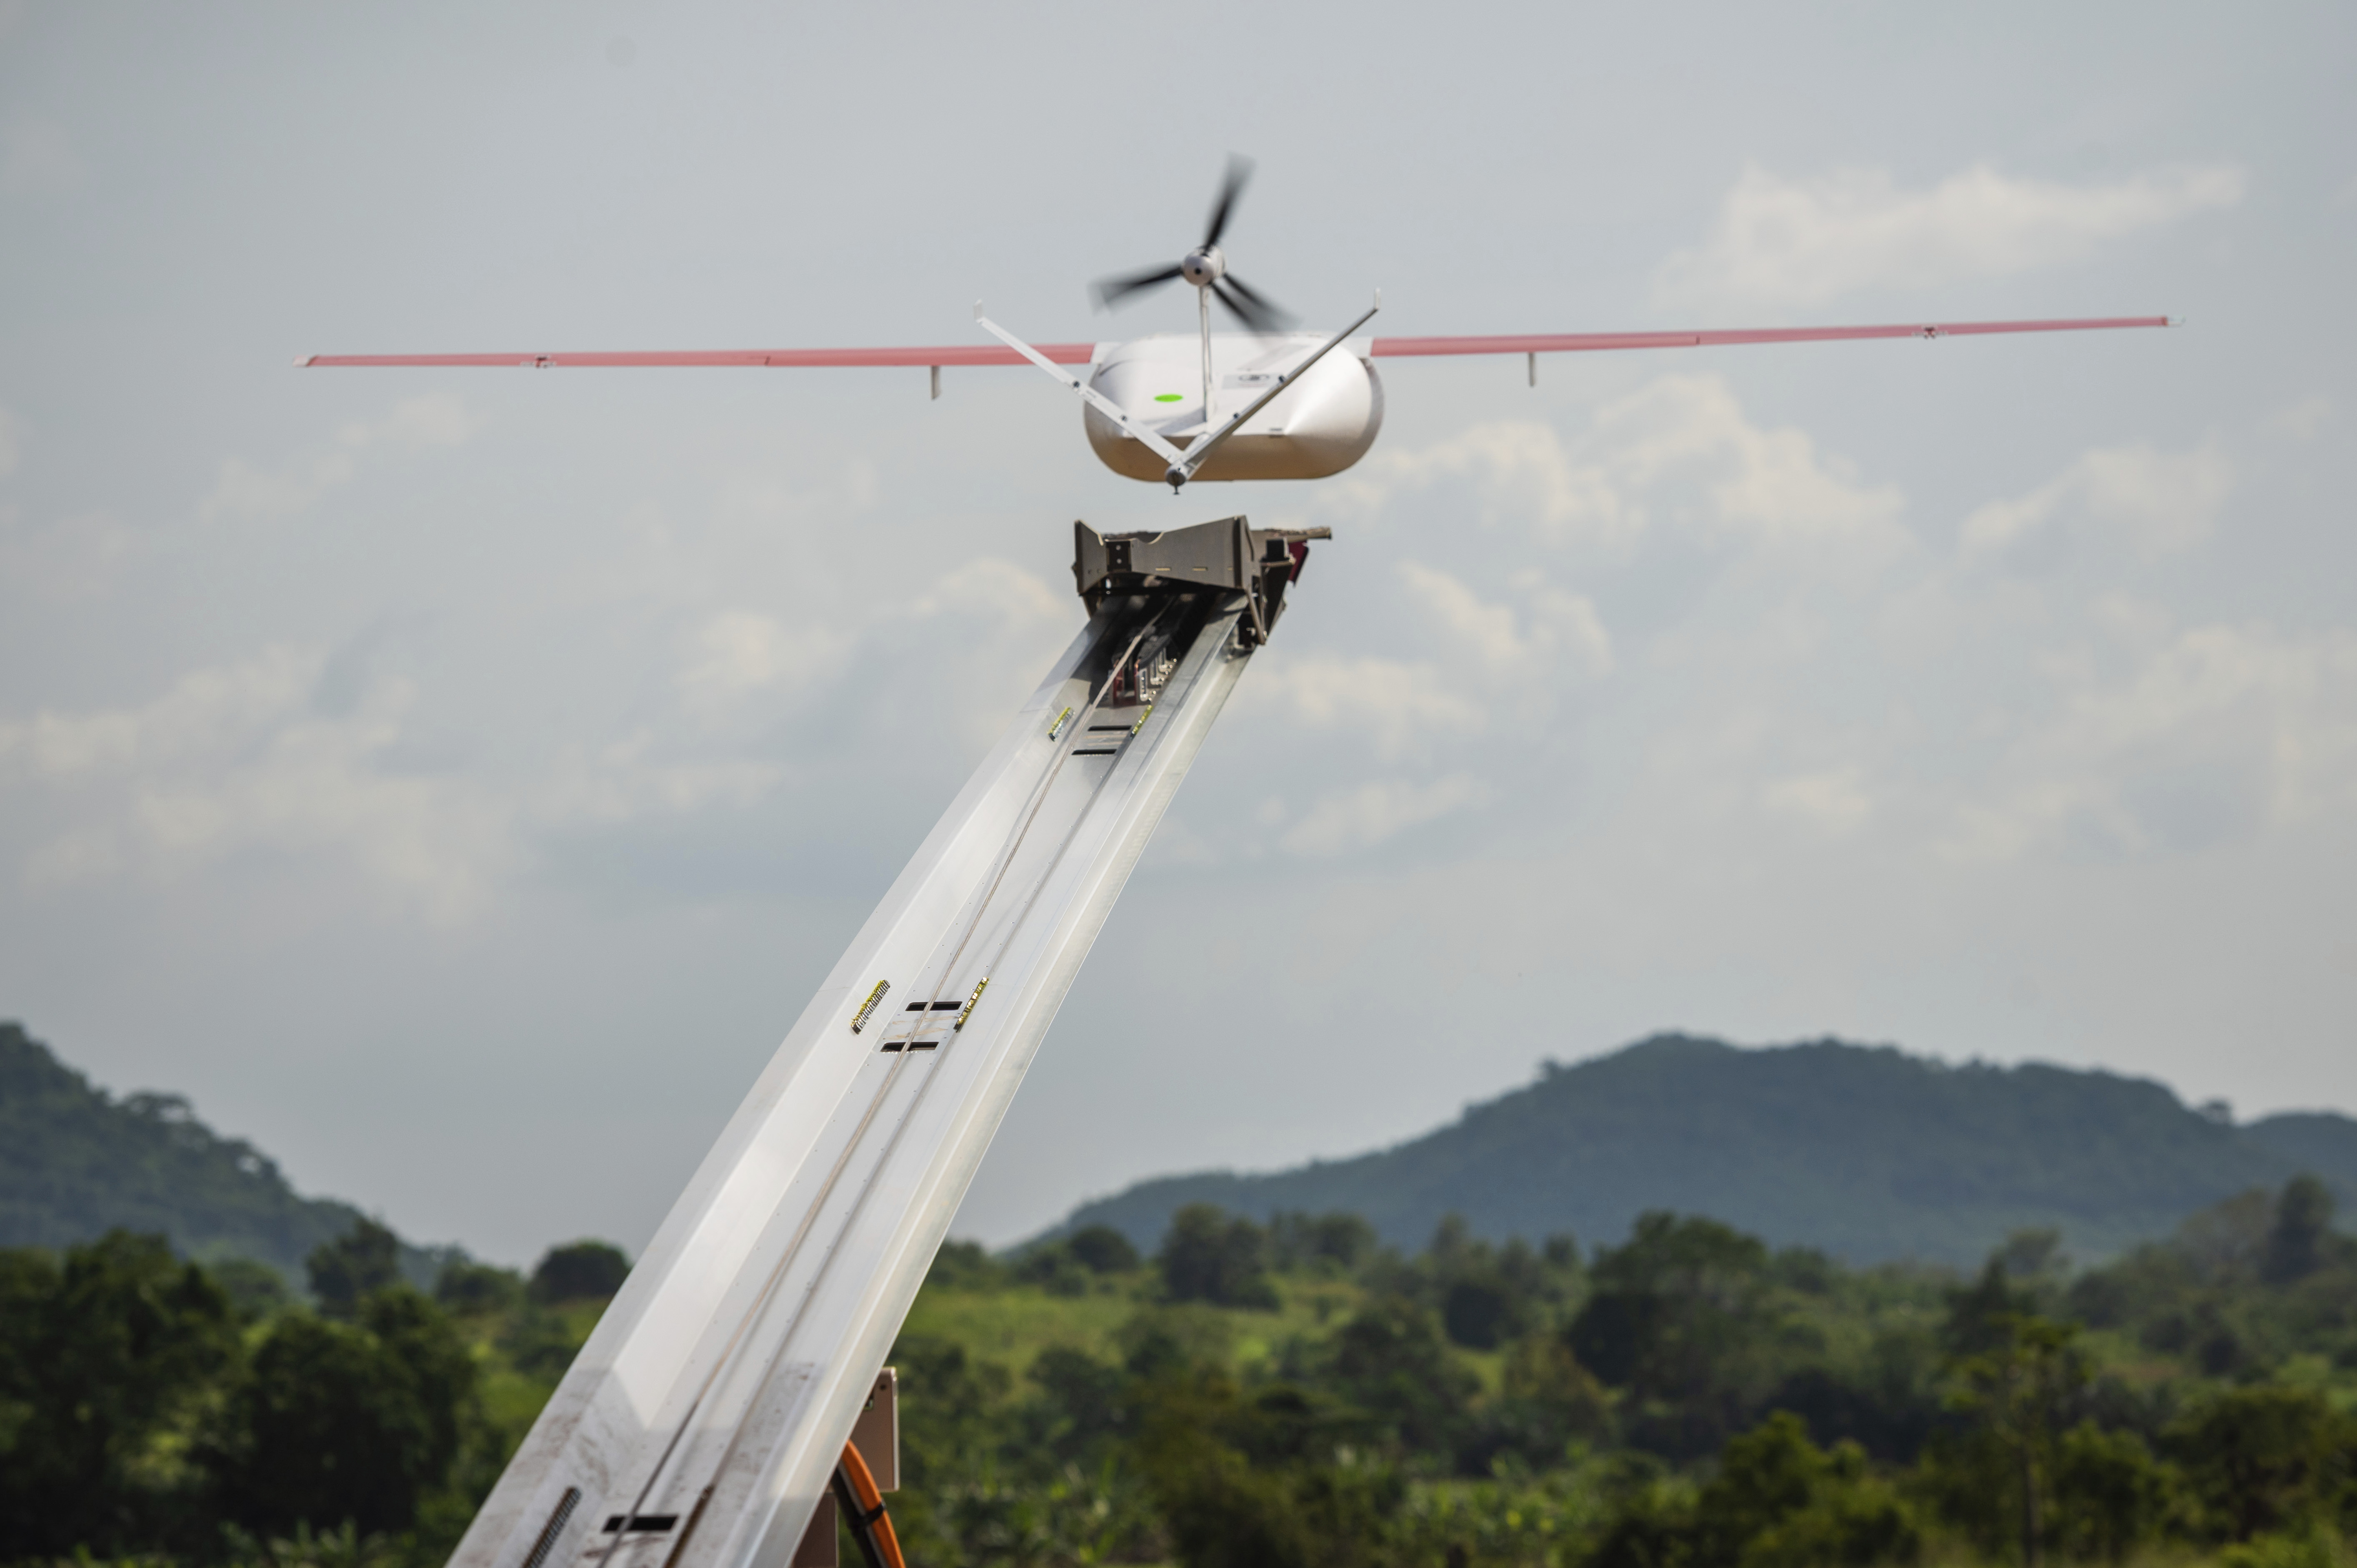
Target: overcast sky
<point x="457" y="781"/>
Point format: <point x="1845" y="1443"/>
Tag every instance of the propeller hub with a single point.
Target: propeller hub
<point x="1203" y="267"/>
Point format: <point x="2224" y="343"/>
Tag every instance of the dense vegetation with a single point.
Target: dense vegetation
<point x="75" y="1163"/>
<point x="1290" y="1396"/>
<point x="1298" y="1395"/>
<point x="1867" y="1153"/>
<point x="155" y="1407"/>
<point x="1242" y="1389"/>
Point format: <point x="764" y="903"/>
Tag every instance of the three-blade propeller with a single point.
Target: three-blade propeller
<point x="1205" y="266"/>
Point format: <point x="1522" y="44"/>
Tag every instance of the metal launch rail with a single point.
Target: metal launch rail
<point x="702" y="1423"/>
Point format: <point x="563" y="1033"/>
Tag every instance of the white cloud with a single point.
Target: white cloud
<point x="2159" y="501"/>
<point x="741" y="654"/>
<point x="2017" y="719"/>
<point x="1401" y="707"/>
<point x="1804" y="241"/>
<point x="1605" y="489"/>
<point x="287" y="755"/>
<point x="205" y="711"/>
<point x="1834" y="801"/>
<point x="1361" y="818"/>
<point x="633" y="779"/>
<point x="252" y="492"/>
<point x="237" y="759"/>
<point x="1565" y="634"/>
<point x="2207" y="734"/>
<point x="1524" y="472"/>
<point x="993" y="629"/>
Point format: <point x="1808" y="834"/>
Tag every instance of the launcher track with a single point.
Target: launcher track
<point x="702" y="1423"/>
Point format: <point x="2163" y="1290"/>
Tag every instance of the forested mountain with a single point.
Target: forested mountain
<point x="75" y="1162"/>
<point x="1865" y="1153"/>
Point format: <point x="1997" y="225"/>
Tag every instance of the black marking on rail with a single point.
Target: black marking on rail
<point x="934" y="1006"/>
<point x="1097" y="751"/>
<point x="651" y="1523"/>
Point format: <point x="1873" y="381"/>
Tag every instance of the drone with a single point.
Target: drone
<point x="1269" y="402"/>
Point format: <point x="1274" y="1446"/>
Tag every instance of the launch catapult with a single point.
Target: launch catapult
<point x="709" y="1421"/>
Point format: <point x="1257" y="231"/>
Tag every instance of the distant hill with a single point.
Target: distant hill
<point x="75" y="1163"/>
<point x="1865" y="1152"/>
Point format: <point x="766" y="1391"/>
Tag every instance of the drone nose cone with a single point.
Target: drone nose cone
<point x="1203" y="267"/>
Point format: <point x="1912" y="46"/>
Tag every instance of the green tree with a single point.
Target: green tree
<point x="466" y="1286"/>
<point x="2018" y="1388"/>
<point x="255" y="1290"/>
<point x="106" y="1360"/>
<point x="365" y="1259"/>
<point x="2261" y="1459"/>
<point x="2110" y="1495"/>
<point x="1391" y="1360"/>
<point x="964" y="1265"/>
<point x="1547" y="1402"/>
<point x="2303" y="1224"/>
<point x="580" y="1271"/>
<point x="1649" y="1520"/>
<point x="1335" y="1242"/>
<point x="1255" y="1481"/>
<point x="1780" y="1501"/>
<point x="1101" y="1249"/>
<point x="1081" y="1406"/>
<point x="1210" y="1255"/>
<point x="1680" y="1318"/>
<point x="1487" y="1295"/>
<point x="343" y="1422"/>
<point x="1981" y="1316"/>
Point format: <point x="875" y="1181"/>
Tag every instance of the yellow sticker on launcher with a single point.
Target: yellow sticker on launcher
<point x="979" y="986"/>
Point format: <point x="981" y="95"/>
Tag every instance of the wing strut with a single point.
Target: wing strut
<point x="1088" y="393"/>
<point x="1197" y="455"/>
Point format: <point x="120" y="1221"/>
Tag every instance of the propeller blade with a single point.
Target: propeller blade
<point x="1258" y="317"/>
<point x="1239" y="168"/>
<point x="1269" y="307"/>
<point x="1112" y="290"/>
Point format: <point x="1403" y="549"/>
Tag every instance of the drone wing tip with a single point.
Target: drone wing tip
<point x="303" y="359"/>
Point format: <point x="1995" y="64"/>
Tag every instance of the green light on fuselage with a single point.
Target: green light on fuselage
<point x="1170" y="397"/>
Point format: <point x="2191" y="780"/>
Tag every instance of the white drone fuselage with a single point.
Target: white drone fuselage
<point x="1320" y="425"/>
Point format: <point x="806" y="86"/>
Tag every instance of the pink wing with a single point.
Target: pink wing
<point x="1079" y="353"/>
<point x="964" y="354"/>
<point x="1590" y="343"/>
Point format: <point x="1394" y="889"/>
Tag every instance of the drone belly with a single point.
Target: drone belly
<point x="1320" y="425"/>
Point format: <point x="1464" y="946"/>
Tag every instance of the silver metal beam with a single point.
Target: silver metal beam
<point x="699" y="1426"/>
